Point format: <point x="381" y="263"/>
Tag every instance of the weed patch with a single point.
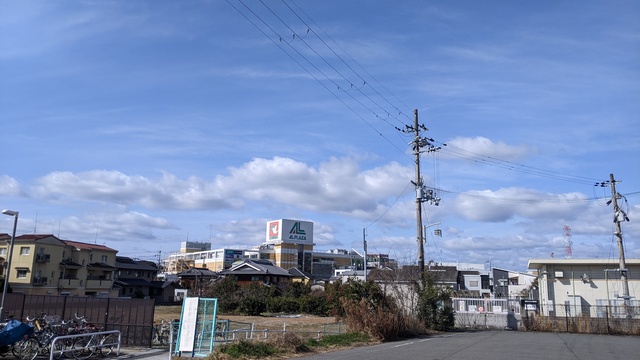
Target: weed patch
<point x="340" y="340"/>
<point x="243" y="349"/>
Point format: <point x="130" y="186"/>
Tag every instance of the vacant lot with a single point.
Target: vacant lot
<point x="292" y="322"/>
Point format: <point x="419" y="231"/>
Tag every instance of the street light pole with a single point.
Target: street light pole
<point x="10" y="251"/>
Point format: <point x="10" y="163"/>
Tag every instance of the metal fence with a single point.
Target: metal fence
<point x="602" y="319"/>
<point x="228" y="331"/>
<point x="617" y="308"/>
<point x="132" y="317"/>
<point x="488" y="306"/>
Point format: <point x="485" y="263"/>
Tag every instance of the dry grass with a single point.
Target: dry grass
<point x="298" y="323"/>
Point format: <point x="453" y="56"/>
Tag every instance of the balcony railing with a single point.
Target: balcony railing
<point x="43" y="258"/>
<point x="99" y="284"/>
<point x="40" y="281"/>
<point x="69" y="283"/>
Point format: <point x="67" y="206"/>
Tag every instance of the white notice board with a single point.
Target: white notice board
<point x="188" y="323"/>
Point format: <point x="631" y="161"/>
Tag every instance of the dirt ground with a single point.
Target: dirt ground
<point x="290" y="322"/>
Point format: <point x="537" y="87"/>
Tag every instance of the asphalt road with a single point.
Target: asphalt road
<point x="511" y="345"/>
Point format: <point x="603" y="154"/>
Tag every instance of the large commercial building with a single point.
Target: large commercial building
<point x="288" y="244"/>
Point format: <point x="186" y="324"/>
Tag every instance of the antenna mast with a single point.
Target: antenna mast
<point x="568" y="254"/>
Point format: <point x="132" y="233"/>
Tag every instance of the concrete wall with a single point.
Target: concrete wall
<point x="484" y="321"/>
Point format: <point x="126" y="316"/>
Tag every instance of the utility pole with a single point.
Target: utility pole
<point x="418" y="184"/>
<point x="617" y="214"/>
<point x="364" y="244"/>
<point x="422" y="195"/>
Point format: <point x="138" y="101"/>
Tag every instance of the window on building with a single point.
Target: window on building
<point x="104" y="258"/>
<point x="90" y="257"/>
<point x="473" y="283"/>
<point x="21" y="274"/>
<point x="25" y="250"/>
<point x="3" y="252"/>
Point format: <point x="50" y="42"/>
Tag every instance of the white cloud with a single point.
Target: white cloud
<point x="507" y="203"/>
<point x="9" y="186"/>
<point x="481" y="146"/>
<point x="338" y="185"/>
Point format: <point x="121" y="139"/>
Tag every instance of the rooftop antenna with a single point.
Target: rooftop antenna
<point x="567" y="242"/>
<point x="35" y="226"/>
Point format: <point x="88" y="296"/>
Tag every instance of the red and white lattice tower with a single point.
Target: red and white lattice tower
<point x="567" y="242"/>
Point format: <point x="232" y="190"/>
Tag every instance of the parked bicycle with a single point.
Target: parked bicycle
<point x="96" y="344"/>
<point x="161" y="334"/>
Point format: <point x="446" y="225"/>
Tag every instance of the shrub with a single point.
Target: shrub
<point x="381" y="323"/>
<point x="315" y="304"/>
<point x="227" y="291"/>
<point x="367" y="309"/>
<point x="296" y="290"/>
<point x="254" y="298"/>
<point x="434" y="305"/>
<point x="245" y="348"/>
<point x="283" y="305"/>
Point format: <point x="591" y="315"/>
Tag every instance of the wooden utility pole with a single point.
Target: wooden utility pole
<point x="616" y="219"/>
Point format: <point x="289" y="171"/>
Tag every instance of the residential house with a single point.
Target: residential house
<point x="509" y="283"/>
<point x="195" y="279"/>
<point x="263" y="271"/>
<point x="298" y="275"/>
<point x="163" y="291"/>
<point x="134" y="277"/>
<point x="46" y="265"/>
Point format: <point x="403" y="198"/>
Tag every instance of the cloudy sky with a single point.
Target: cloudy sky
<point x="142" y="124"/>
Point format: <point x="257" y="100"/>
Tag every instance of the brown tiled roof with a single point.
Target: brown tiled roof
<point x="34" y="237"/>
<point x="86" y="246"/>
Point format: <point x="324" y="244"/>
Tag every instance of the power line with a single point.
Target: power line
<point x="316" y="68"/>
<point x="309" y="25"/>
<point x="513" y="166"/>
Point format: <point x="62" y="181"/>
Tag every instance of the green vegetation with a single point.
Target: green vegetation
<point x="434" y="305"/>
<point x="287" y="344"/>
<point x="364" y="306"/>
<point x="245" y="348"/>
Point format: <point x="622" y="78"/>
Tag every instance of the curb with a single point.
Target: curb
<point x="141" y="354"/>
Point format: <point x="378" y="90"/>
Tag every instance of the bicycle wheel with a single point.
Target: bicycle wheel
<point x="29" y="349"/>
<point x="59" y="348"/>
<point x="107" y="344"/>
<point x="80" y="348"/>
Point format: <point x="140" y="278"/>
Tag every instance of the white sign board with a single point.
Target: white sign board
<point x="188" y="323"/>
<point x="289" y="231"/>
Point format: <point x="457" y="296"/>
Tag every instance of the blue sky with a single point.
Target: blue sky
<point x="142" y="124"/>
